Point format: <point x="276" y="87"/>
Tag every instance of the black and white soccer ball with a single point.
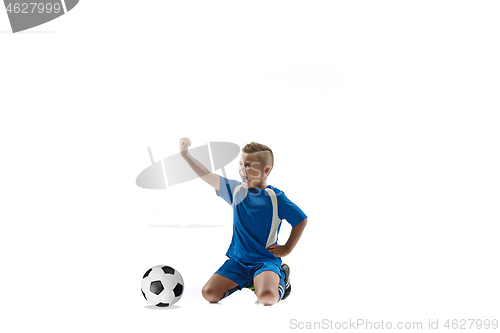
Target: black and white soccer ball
<point x="162" y="286"/>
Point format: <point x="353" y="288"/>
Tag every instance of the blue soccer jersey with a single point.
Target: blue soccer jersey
<point x="257" y="216"/>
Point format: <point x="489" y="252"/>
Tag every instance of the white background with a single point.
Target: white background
<point x="382" y="115"/>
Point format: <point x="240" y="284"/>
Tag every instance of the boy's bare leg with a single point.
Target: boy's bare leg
<point x="216" y="286"/>
<point x="266" y="287"/>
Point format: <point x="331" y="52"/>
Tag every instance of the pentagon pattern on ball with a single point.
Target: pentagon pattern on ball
<point x="168" y="270"/>
<point x="178" y="290"/>
<point x="162" y="305"/>
<point x="147" y="273"/>
<point x="156" y="287"/>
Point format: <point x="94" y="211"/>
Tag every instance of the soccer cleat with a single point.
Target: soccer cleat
<point x="288" y="286"/>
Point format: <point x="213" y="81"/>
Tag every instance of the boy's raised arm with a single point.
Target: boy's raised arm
<point x="211" y="178"/>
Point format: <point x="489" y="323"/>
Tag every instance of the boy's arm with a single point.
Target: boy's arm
<point x="283" y="250"/>
<point x="211" y="178"/>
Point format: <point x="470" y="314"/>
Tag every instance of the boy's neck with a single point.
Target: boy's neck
<point x="260" y="186"/>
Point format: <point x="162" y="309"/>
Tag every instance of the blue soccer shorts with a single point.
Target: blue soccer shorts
<point x="243" y="274"/>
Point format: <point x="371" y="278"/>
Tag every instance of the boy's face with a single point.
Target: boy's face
<point x="251" y="170"/>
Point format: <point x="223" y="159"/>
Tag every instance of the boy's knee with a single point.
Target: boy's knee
<point x="268" y="297"/>
<point x="210" y="294"/>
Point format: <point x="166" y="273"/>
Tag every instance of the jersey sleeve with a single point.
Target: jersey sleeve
<point x="226" y="189"/>
<point x="289" y="211"/>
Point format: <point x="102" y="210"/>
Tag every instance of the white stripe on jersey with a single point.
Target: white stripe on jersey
<point x="273" y="234"/>
<point x="236" y="190"/>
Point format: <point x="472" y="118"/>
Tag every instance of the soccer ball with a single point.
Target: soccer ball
<point x="162" y="285"/>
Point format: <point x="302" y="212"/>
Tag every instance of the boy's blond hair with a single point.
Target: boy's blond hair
<point x="265" y="155"/>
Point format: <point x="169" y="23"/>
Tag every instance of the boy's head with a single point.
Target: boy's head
<point x="256" y="163"/>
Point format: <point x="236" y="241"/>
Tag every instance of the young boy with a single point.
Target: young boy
<point x="254" y="255"/>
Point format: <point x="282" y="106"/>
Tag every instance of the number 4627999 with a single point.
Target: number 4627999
<point x="471" y="323"/>
<point x="33" y="7"/>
